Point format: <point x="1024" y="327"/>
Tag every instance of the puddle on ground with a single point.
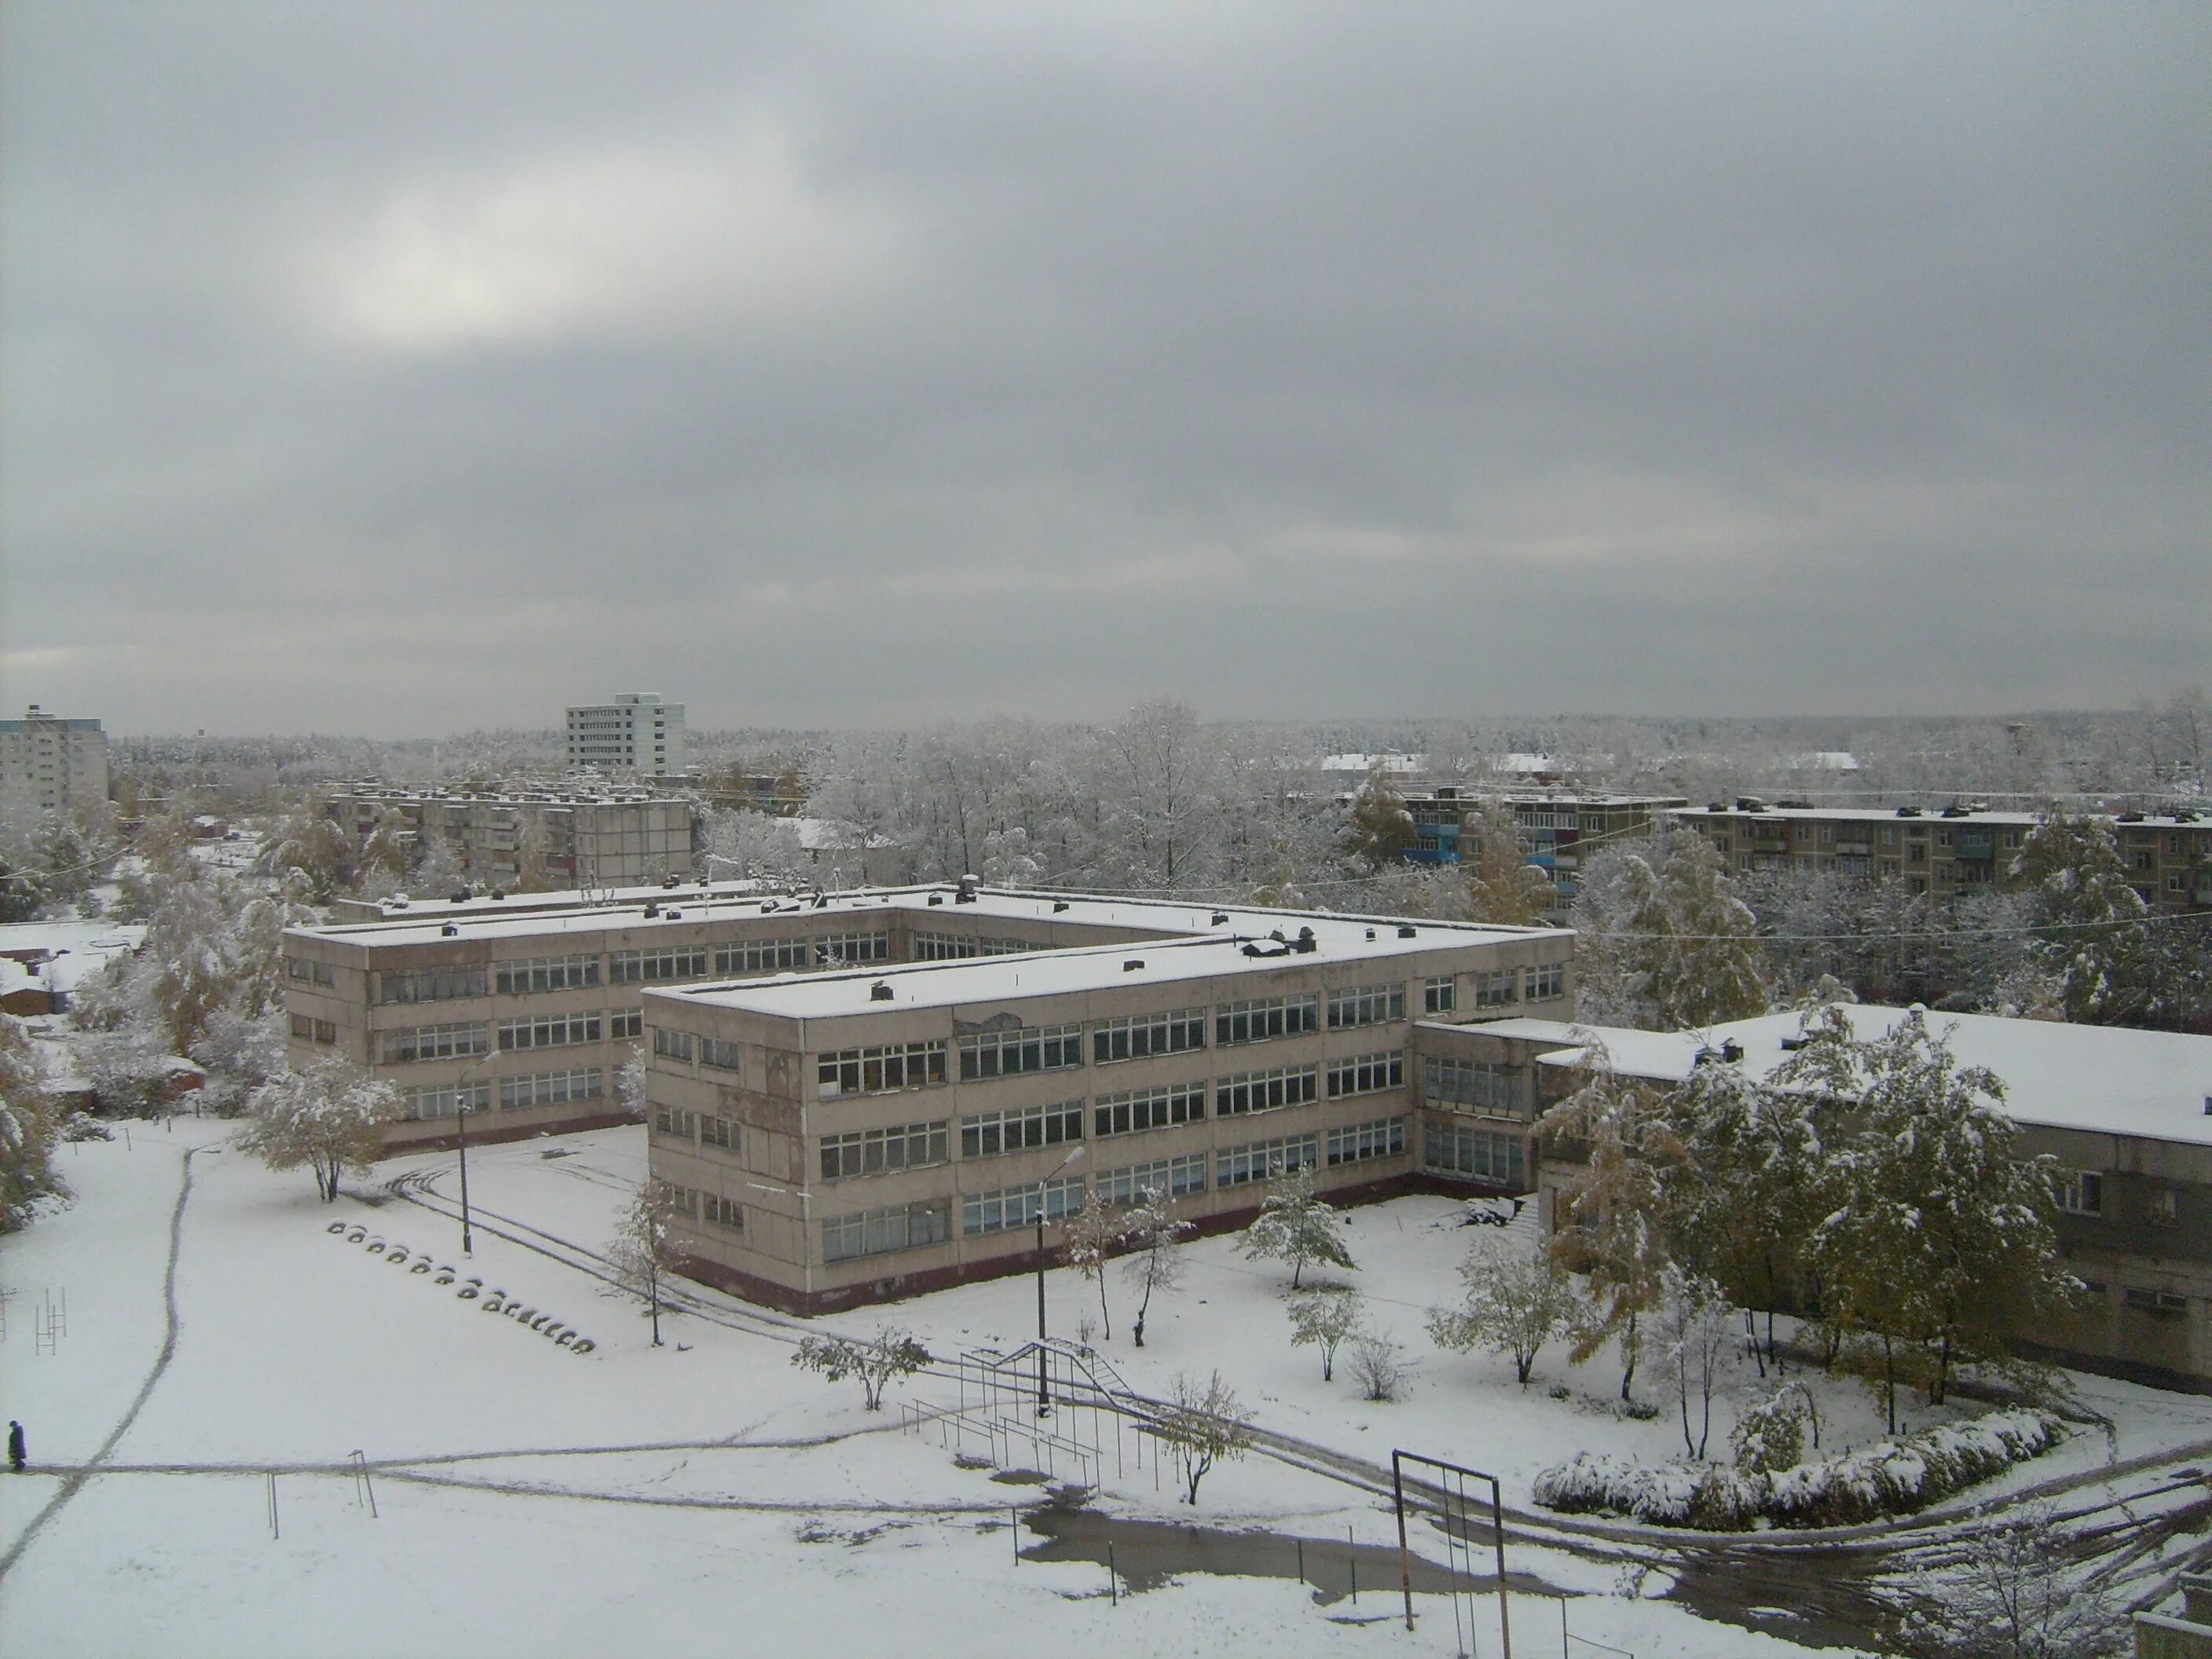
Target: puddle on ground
<point x="1148" y="1553"/>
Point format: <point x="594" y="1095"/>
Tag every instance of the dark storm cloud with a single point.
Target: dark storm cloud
<point x="404" y="369"/>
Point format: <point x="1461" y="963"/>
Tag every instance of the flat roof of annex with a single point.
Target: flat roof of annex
<point x="1337" y="941"/>
<point x="932" y="905"/>
<point x="1782" y="809"/>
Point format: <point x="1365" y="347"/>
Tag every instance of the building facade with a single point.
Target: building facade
<point x="636" y="732"/>
<point x="51" y="765"/>
<point x="861" y="1096"/>
<point x="1562" y="828"/>
<point x="555" y="836"/>
<point x="1951" y="851"/>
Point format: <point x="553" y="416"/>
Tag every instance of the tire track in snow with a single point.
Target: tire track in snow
<point x="74" y="1482"/>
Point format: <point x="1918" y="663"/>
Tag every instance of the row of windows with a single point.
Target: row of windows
<point x="1481" y="1154"/>
<point x="445" y="1100"/>
<point x="552" y="1088"/>
<point x="1507" y="986"/>
<point x="307" y="1028"/>
<point x="1176" y="1176"/>
<point x="674" y="1045"/>
<point x="705" y="1128"/>
<point x="536" y="974"/>
<point x="431" y="984"/>
<point x="880" y="1070"/>
<point x="709" y="1207"/>
<point x="962" y="947"/>
<point x="310" y="972"/>
<point x="435" y="1043"/>
<point x="1012" y="1053"/>
<point x="1368" y="1074"/>
<point x="1356" y="1143"/>
<point x="986" y="1134"/>
<point x="872" y="1152"/>
<point x="875" y="1232"/>
<point x="1265" y="1091"/>
<point x="661" y="963"/>
<point x="1145" y="1035"/>
<point x="1477" y="1085"/>
<point x="1258" y="1020"/>
<point x="1365" y="1004"/>
<point x="1264" y="1160"/>
<point x="1020" y="1207"/>
<point x="548" y="1031"/>
<point x="1137" y="1109"/>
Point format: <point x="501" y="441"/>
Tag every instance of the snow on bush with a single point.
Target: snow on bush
<point x="1895" y="1477"/>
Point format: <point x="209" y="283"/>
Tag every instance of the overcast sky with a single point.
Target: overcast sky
<point x="400" y="369"/>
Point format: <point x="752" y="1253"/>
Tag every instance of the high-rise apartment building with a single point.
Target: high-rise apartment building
<point x="636" y="732"/>
<point x="48" y="764"/>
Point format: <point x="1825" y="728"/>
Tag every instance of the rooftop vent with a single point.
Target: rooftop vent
<point x="937" y="898"/>
<point x="1715" y="806"/>
<point x="1306" y="942"/>
<point x="966" y="894"/>
<point x="1219" y="917"/>
<point x="1731" y="1051"/>
<point x="673" y="916"/>
<point x="822" y="901"/>
<point x="1790" y="1045"/>
<point x="1058" y="905"/>
<point x="449" y="931"/>
<point x="1908" y="812"/>
<point x="1133" y="965"/>
<point x="880" y="991"/>
<point x="671" y="882"/>
<point x="1406" y="930"/>
<point x="498" y="893"/>
<point x="1370" y="933"/>
<point x="400" y="901"/>
<point x="2131" y="817"/>
<point x="1955" y="811"/>
<point x="651" y="911"/>
<point x="458" y="898"/>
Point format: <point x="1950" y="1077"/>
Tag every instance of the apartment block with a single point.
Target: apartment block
<point x="1954" y="850"/>
<point x="2126" y="1114"/>
<point x="556" y="837"/>
<point x="636" y="732"/>
<point x="1562" y="828"/>
<point x="864" y="1095"/>
<point x="49" y="764"/>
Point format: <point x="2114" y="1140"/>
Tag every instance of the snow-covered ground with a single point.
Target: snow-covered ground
<point x="707" y="1496"/>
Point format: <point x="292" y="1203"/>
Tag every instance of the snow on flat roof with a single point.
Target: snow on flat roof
<point x="1083" y="968"/>
<point x="436" y="907"/>
<point x="81" y="948"/>
<point x="1154" y="916"/>
<point x="1935" y="815"/>
<point x="2103" y="1078"/>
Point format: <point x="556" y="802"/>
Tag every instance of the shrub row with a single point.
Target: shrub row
<point x="1896" y="1477"/>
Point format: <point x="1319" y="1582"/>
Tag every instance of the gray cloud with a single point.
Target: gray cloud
<point x="402" y="368"/>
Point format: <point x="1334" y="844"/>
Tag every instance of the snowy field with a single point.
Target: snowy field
<point x="706" y="1496"/>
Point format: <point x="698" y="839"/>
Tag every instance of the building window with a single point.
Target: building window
<point x="546" y="974"/>
<point x="626" y="1025"/>
<point x="876" y="1151"/>
<point x="645" y="967"/>
<point x="548" y="1031"/>
<point x="1485" y="1155"/>
<point x="1365" y="1004"/>
<point x="673" y="1045"/>
<point x="1472" y="1085"/>
<point x="675" y="1120"/>
<point x="1263" y="1160"/>
<point x="1177" y="1177"/>
<point x="435" y="1043"/>
<point x="445" y="1100"/>
<point x="310" y="971"/>
<point x="988" y="1134"/>
<point x="1010" y="1054"/>
<point x="2165" y="1304"/>
<point x="1264" y="1091"/>
<point x="1149" y="1109"/>
<point x="1144" y="1035"/>
<point x="431" y="985"/>
<point x="1368" y="1074"/>
<point x="1019" y="1206"/>
<point x="1439" y="995"/>
<point x="876" y="1233"/>
<point x="308" y="1029"/>
<point x="1499" y="990"/>
<point x="1547" y="980"/>
<point x="722" y="1056"/>
<point x="1260" y="1018"/>
<point x="850" y="950"/>
<point x="552" y="1088"/>
<point x="2082" y="1192"/>
<point x="717" y="1131"/>
<point x="2164" y="1209"/>
<point x="1357" y="1142"/>
<point x="719" y="1212"/>
<point x="881" y="1071"/>
<point x="764" y="956"/>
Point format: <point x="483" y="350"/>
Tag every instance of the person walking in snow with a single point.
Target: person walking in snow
<point x="15" y="1450"/>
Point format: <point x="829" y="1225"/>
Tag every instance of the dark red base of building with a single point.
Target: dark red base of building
<point x="495" y="1134"/>
<point x="897" y="1288"/>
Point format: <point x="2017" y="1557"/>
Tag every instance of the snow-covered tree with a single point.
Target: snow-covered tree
<point x="241" y="1052"/>
<point x="2014" y="1592"/>
<point x="1616" y="1211"/>
<point x="758" y="846"/>
<point x="1325" y="1319"/>
<point x="1380" y="827"/>
<point x="2092" y="936"/>
<point x="1697" y="945"/>
<point x="1159" y="777"/>
<point x="631" y="1083"/>
<point x="310" y="841"/>
<point x="1503" y="887"/>
<point x="1092" y="1234"/>
<point x="1296" y="1225"/>
<point x="883" y="1359"/>
<point x="643" y="1252"/>
<point x="1516" y="1301"/>
<point x="1695" y="1326"/>
<point x="1769" y="1433"/>
<point x="29" y="1126"/>
<point x="189" y="949"/>
<point x="1155" y="1236"/>
<point x="327" y="1117"/>
<point x="1379" y="1365"/>
<point x="1203" y="1424"/>
<point x="128" y="1070"/>
<point x="1939" y="1248"/>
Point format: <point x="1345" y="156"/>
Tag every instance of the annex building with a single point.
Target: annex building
<point x="2127" y="1115"/>
<point x="860" y="1095"/>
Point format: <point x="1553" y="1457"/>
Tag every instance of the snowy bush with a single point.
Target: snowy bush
<point x="1893" y="1478"/>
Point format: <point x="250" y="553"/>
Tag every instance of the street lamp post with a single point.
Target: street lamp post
<point x="1044" y="1395"/>
<point x="461" y="1144"/>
